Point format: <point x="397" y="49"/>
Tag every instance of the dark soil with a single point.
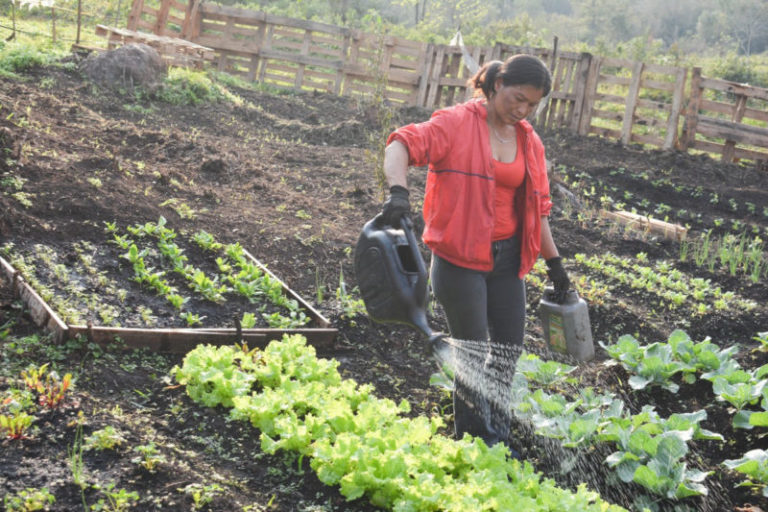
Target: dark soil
<point x="290" y="177"/>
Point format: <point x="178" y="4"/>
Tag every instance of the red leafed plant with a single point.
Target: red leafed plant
<point x="49" y="387"/>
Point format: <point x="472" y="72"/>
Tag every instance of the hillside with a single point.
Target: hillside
<point x="288" y="176"/>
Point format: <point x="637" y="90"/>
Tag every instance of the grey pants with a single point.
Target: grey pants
<point x="480" y="306"/>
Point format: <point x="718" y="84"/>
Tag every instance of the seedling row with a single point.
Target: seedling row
<point x="149" y="275"/>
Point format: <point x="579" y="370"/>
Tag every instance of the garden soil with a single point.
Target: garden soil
<point x="291" y="178"/>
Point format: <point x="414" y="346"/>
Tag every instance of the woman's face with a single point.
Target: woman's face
<point x="513" y="103"/>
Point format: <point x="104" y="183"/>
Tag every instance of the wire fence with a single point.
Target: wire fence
<point x="108" y="12"/>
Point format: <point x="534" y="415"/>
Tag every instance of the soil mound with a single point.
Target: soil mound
<point x="132" y="65"/>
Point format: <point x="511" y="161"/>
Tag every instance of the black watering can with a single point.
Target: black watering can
<point x="392" y="278"/>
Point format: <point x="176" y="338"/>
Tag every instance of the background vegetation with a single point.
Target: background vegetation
<point x="728" y="38"/>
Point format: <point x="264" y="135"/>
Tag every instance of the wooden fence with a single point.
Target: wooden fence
<point x="630" y="101"/>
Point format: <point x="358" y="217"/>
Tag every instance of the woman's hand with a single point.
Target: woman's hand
<point x="396" y="206"/>
<point x="559" y="278"/>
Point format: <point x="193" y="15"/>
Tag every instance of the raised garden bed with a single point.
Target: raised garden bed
<point x="153" y="287"/>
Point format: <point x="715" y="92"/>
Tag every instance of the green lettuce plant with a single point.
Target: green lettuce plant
<point x="754" y="464"/>
<point x="367" y="446"/>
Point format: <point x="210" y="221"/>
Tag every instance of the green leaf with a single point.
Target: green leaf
<point x="741" y="420"/>
<point x="670" y="449"/>
<point x="646" y="477"/>
<point x="638" y="382"/>
<point x="759" y="419"/>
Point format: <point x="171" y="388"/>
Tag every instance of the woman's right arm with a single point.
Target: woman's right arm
<point x="396" y="164"/>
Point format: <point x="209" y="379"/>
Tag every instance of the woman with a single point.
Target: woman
<point x="485" y="211"/>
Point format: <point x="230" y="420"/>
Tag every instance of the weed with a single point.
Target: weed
<point x="76" y="464"/>
<point x="28" y="499"/>
<point x="350" y="306"/>
<point x="188" y="87"/>
<point x="117" y="500"/>
<point x="201" y="494"/>
<point x="106" y="438"/>
<point x="149" y="457"/>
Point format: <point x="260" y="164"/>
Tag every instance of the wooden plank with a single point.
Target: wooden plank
<point x="8" y="270"/>
<point x="717" y="107"/>
<point x="735" y="88"/>
<point x="590" y="90"/>
<point x="750" y="154"/>
<point x="655" y="105"/>
<point x="658" y="86"/>
<point x="579" y="91"/>
<point x="608" y="133"/>
<point x="162" y="17"/>
<point x="300" y="59"/>
<point x="246" y="15"/>
<point x="692" y="110"/>
<point x="707" y="146"/>
<point x="733" y="131"/>
<point x="736" y="117"/>
<point x="650" y="140"/>
<point x="434" y="81"/>
<point x="174" y="341"/>
<point x="611" y="62"/>
<point x="265" y="47"/>
<point x="757" y="115"/>
<point x="631" y="103"/>
<point x="236" y="47"/>
<point x="429" y="61"/>
<point x="40" y="312"/>
<point x="316" y="336"/>
<point x="448" y="81"/>
<point x="191" y="28"/>
<point x="662" y="69"/>
<point x="615" y="80"/>
<point x="647" y="224"/>
<point x="133" y="18"/>
<point x="315" y="315"/>
<point x="304" y="53"/>
<point x="339" y="78"/>
<point x="608" y="115"/>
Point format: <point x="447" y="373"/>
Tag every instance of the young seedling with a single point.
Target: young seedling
<point x="117" y="500"/>
<point x="202" y="495"/>
<point x="28" y="499"/>
<point x="106" y="438"/>
<point x="754" y="464"/>
<point x="149" y="457"/>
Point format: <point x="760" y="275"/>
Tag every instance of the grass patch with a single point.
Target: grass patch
<point x="188" y="87"/>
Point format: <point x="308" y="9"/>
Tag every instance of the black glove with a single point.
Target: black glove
<point x="396" y="206"/>
<point x="559" y="278"/>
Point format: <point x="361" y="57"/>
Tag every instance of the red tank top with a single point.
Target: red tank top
<point x="509" y="176"/>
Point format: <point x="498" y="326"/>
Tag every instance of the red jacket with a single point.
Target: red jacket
<point x="459" y="199"/>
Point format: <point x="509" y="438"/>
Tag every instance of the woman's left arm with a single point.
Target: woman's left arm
<point x="548" y="247"/>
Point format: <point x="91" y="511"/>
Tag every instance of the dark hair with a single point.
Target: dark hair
<point x="516" y="70"/>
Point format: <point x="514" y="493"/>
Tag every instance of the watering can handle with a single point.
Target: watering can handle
<point x="407" y="225"/>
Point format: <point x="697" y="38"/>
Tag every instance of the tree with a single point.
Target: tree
<point x="748" y="23"/>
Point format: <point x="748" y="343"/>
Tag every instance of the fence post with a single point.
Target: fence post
<point x="135" y="16"/>
<point x="434" y="82"/>
<point x="580" y="90"/>
<point x="671" y="140"/>
<point x="590" y="89"/>
<point x="429" y="59"/>
<point x="631" y="102"/>
<point x="737" y="114"/>
<point x="191" y="27"/>
<point x="692" y="111"/>
<point x="162" y="17"/>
